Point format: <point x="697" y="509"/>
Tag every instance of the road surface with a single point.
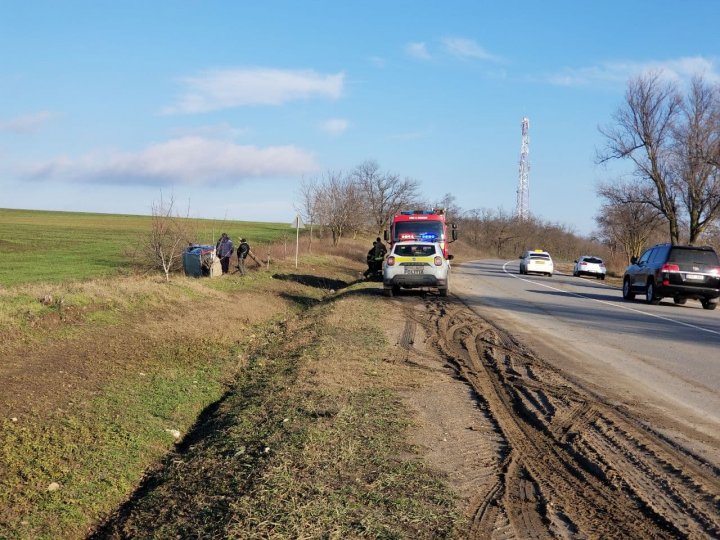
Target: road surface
<point x="661" y="361"/>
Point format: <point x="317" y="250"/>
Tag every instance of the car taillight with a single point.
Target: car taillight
<point x="714" y="271"/>
<point x="390" y="260"/>
<point x="670" y="268"/>
<point x="583" y="264"/>
<point x="438" y="261"/>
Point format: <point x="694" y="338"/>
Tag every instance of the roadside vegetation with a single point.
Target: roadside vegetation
<point x="271" y="387"/>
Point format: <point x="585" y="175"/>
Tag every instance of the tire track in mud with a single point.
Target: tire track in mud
<point x="574" y="466"/>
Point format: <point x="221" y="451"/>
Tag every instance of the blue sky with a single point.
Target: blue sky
<point x="228" y="105"/>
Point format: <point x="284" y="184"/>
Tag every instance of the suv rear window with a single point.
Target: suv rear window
<point x="539" y="256"/>
<point x="592" y="260"/>
<point x="704" y="257"/>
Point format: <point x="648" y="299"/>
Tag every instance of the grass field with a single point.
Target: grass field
<point x="42" y="246"/>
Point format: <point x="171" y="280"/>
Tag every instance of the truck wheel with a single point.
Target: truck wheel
<point x="443" y="291"/>
<point x="388" y="292"/>
<point x="707" y="304"/>
<point x="679" y="300"/>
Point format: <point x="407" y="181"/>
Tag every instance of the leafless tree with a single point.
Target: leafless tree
<point x="338" y="201"/>
<point x="674" y="144"/>
<point x="624" y="223"/>
<point x="385" y="194"/>
<point x="169" y="233"/>
<point x="697" y="157"/>
<point x="308" y="203"/>
<point x="643" y="133"/>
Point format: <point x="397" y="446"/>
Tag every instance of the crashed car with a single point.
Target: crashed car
<point x="414" y="264"/>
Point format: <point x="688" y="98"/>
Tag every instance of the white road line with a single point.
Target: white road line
<point x="611" y="304"/>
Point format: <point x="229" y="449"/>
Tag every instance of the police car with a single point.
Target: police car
<point x="537" y="261"/>
<point x="416" y="264"/>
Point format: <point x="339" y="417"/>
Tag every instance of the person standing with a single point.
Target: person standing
<point x="242" y="252"/>
<point x="224" y="251"/>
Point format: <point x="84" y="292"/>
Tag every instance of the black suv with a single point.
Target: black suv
<point x="679" y="272"/>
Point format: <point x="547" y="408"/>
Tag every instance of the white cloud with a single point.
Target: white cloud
<point x="467" y="48"/>
<point x="618" y="73"/>
<point x="27" y="123"/>
<point x="418" y="50"/>
<point x="187" y="160"/>
<point x="335" y="126"/>
<point x="228" y="88"/>
<point x="378" y="61"/>
<point x="222" y="130"/>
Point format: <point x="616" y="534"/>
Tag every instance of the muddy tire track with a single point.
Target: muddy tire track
<point x="572" y="466"/>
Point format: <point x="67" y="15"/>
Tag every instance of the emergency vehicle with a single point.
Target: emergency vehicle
<point x="423" y="226"/>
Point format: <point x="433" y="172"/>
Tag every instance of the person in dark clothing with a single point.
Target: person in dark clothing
<point x="375" y="258"/>
<point x="224" y="250"/>
<point x="242" y="252"/>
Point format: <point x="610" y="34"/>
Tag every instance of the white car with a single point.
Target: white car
<point x="537" y="261"/>
<point x="416" y="264"/>
<point x="589" y="266"/>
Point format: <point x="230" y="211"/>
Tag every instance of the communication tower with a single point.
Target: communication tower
<point x="522" y="210"/>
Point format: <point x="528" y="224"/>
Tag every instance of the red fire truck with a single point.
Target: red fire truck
<point x="424" y="225"/>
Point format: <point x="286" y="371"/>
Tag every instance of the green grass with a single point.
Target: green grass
<point x="42" y="246"/>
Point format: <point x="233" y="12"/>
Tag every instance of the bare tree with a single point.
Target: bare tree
<point x="308" y="204"/>
<point x="338" y="199"/>
<point x="697" y="157"/>
<point x="385" y="194"/>
<point x="674" y="143"/>
<point x="625" y="224"/>
<point x="168" y="235"/>
<point x="643" y="133"/>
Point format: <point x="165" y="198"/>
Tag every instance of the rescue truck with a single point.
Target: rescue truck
<point x="422" y="225"/>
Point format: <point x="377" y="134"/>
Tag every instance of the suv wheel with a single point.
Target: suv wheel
<point x="707" y="304"/>
<point x="680" y="301"/>
<point x="650" y="296"/>
<point x="627" y="290"/>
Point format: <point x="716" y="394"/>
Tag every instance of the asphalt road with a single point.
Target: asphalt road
<point x="661" y="362"/>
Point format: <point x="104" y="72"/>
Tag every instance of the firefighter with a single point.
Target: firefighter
<point x="375" y="258"/>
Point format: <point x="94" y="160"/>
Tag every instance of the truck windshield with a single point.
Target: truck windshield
<point x="430" y="231"/>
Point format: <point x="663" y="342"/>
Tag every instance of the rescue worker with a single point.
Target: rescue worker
<point x="375" y="258"/>
<point x="242" y="252"/>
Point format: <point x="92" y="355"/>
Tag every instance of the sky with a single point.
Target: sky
<point x="227" y="106"/>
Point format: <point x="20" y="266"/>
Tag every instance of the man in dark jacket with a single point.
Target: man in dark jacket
<point x="224" y="251"/>
<point x="375" y="258"/>
<point x="242" y="253"/>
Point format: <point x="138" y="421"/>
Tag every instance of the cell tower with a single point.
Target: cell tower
<point x="522" y="210"/>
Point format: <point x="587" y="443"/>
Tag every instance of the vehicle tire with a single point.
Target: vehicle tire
<point x="395" y="289"/>
<point x="549" y="275"/>
<point x="443" y="291"/>
<point x="707" y="304"/>
<point x="388" y="292"/>
<point x="576" y="274"/>
<point x="602" y="276"/>
<point x="628" y="293"/>
<point x="650" y="296"/>
<point x="680" y="301"/>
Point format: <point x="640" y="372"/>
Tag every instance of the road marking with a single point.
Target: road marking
<point x="611" y="304"/>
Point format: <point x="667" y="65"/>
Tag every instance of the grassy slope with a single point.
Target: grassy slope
<point x="302" y="378"/>
<point x="40" y="246"/>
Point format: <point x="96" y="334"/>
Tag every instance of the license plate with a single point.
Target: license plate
<point x="539" y="262"/>
<point x="414" y="270"/>
<point x="696" y="277"/>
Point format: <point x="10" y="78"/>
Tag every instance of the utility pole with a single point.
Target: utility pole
<point x="522" y="209"/>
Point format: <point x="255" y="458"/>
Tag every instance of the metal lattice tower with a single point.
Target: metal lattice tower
<point x="522" y="210"/>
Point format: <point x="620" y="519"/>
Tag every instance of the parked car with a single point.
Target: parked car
<point x="416" y="264"/>
<point x="587" y="265"/>
<point x="677" y="272"/>
<point x="537" y="261"/>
